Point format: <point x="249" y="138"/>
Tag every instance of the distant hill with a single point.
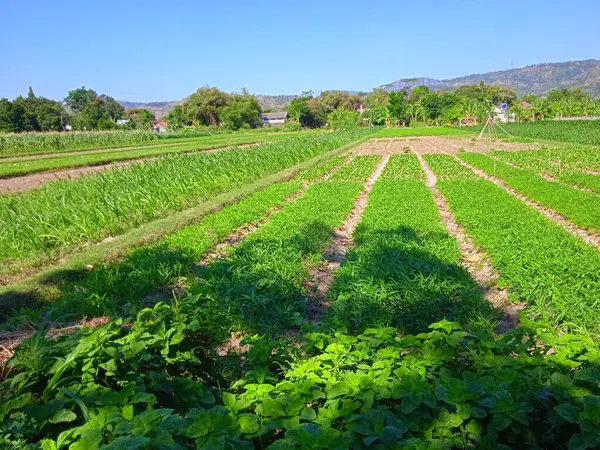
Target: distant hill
<point x="160" y="109"/>
<point x="537" y="79"/>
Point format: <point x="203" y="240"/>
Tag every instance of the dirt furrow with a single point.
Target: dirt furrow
<point x="34" y="181"/>
<point x="322" y="276"/>
<point x="588" y="237"/>
<point x="476" y="262"/>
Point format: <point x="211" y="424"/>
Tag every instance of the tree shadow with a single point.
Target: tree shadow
<point x="392" y="279"/>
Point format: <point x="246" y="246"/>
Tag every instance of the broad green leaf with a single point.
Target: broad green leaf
<point x="63" y="415"/>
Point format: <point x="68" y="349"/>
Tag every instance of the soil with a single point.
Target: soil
<point x="434" y="144"/>
<point x="322" y="276"/>
<point x="476" y="262"/>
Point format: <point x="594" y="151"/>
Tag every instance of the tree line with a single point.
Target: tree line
<point x="85" y="109"/>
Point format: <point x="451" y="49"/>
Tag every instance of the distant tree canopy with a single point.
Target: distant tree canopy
<point x="91" y="111"/>
<point x="139" y="118"/>
<point x="31" y="113"/>
<point x="311" y="111"/>
<point x="209" y="106"/>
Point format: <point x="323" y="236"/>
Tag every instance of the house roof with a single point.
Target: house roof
<point x="525" y="104"/>
<point x="274" y="115"/>
<point x="160" y="124"/>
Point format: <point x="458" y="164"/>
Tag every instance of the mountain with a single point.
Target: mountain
<point x="160" y="109"/>
<point x="536" y="79"/>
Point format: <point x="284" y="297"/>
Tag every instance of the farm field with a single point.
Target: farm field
<point x="24" y="144"/>
<point x="406" y="291"/>
<point x="573" y="131"/>
<point x="11" y="167"/>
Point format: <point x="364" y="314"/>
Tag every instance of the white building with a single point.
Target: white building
<point x="275" y="119"/>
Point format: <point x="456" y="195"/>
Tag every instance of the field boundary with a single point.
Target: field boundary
<point x="36" y="272"/>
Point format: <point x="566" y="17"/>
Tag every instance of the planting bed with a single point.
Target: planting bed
<point x="388" y="297"/>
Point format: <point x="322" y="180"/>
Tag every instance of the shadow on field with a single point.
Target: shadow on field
<point x="392" y="279"/>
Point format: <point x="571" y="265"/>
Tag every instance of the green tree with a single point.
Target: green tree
<point x="204" y="106"/>
<point x="78" y="99"/>
<point x="139" y="117"/>
<point x="176" y="118"/>
<point x="299" y="110"/>
<point x="398" y="108"/>
<point x="243" y="111"/>
<point x="343" y="119"/>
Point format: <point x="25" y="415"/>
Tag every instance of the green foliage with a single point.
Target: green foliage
<point x="343" y="119"/>
<point x="358" y="169"/>
<point x="243" y="112"/>
<point x="158" y="384"/>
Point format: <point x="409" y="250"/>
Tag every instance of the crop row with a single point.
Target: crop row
<point x="38" y="143"/>
<point x="546" y="162"/>
<point x="553" y="272"/>
<point x="64" y="213"/>
<point x="320" y="169"/>
<point x="582" y="208"/>
<point x="358" y="169"/>
<point x="403" y="167"/>
<point x="405" y="270"/>
<point x="446" y="168"/>
<point x="27" y="166"/>
<point x="576" y="131"/>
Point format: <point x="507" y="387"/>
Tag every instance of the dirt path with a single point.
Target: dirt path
<point x="322" y="276"/>
<point x="476" y="262"/>
<point x="589" y="238"/>
<point x="34" y="181"/>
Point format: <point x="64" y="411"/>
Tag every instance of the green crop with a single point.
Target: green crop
<point x="582" y="208"/>
<point x="576" y="131"/>
<point x="320" y="169"/>
<point x="405" y="270"/>
<point x="40" y="143"/>
<point x="66" y="213"/>
<point x="61" y="161"/>
<point x="567" y="165"/>
<point x="446" y="168"/>
<point x="554" y="273"/>
<point x="403" y="167"/>
<point x="358" y="169"/>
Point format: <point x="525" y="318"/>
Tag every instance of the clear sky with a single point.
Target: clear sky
<point x="150" y="51"/>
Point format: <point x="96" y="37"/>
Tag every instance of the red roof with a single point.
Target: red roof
<point x="160" y="124"/>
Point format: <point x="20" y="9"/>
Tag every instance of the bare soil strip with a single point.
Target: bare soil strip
<point x="34" y="181"/>
<point x="476" y="262"/>
<point x="322" y="276"/>
<point x="434" y="144"/>
<point x="588" y="237"/>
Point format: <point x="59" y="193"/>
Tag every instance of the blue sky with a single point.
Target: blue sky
<point x="151" y="51"/>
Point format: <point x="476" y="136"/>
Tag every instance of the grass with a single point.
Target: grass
<point x="554" y="273"/>
<point x="582" y="208"/>
<point x="25" y="167"/>
<point x="68" y="213"/>
<point x="424" y="131"/>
